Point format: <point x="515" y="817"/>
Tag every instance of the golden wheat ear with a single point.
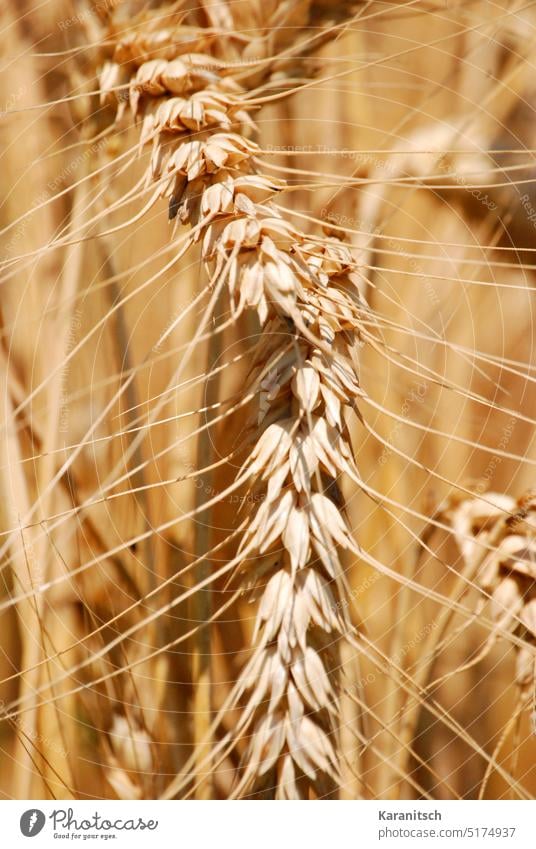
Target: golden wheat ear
<point x="266" y="303"/>
<point x="304" y="294"/>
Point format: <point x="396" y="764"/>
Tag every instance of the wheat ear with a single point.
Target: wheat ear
<point x="196" y="115"/>
<point x="498" y="535"/>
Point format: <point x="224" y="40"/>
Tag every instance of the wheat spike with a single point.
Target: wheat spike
<point x="267" y="289"/>
<point x="305" y="294"/>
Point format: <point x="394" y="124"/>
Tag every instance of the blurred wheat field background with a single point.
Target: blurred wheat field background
<point x="267" y="400"/>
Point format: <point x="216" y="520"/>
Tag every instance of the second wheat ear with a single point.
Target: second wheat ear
<point x="194" y="115"/>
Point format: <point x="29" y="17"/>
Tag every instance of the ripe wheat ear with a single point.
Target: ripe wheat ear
<point x="195" y="114"/>
<point x="268" y="319"/>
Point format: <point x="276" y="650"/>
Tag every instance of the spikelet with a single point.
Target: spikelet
<point x="128" y="756"/>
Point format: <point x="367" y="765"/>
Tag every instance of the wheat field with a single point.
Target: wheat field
<point x="268" y="503"/>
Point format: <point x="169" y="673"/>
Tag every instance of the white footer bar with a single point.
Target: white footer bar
<point x="269" y="825"/>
